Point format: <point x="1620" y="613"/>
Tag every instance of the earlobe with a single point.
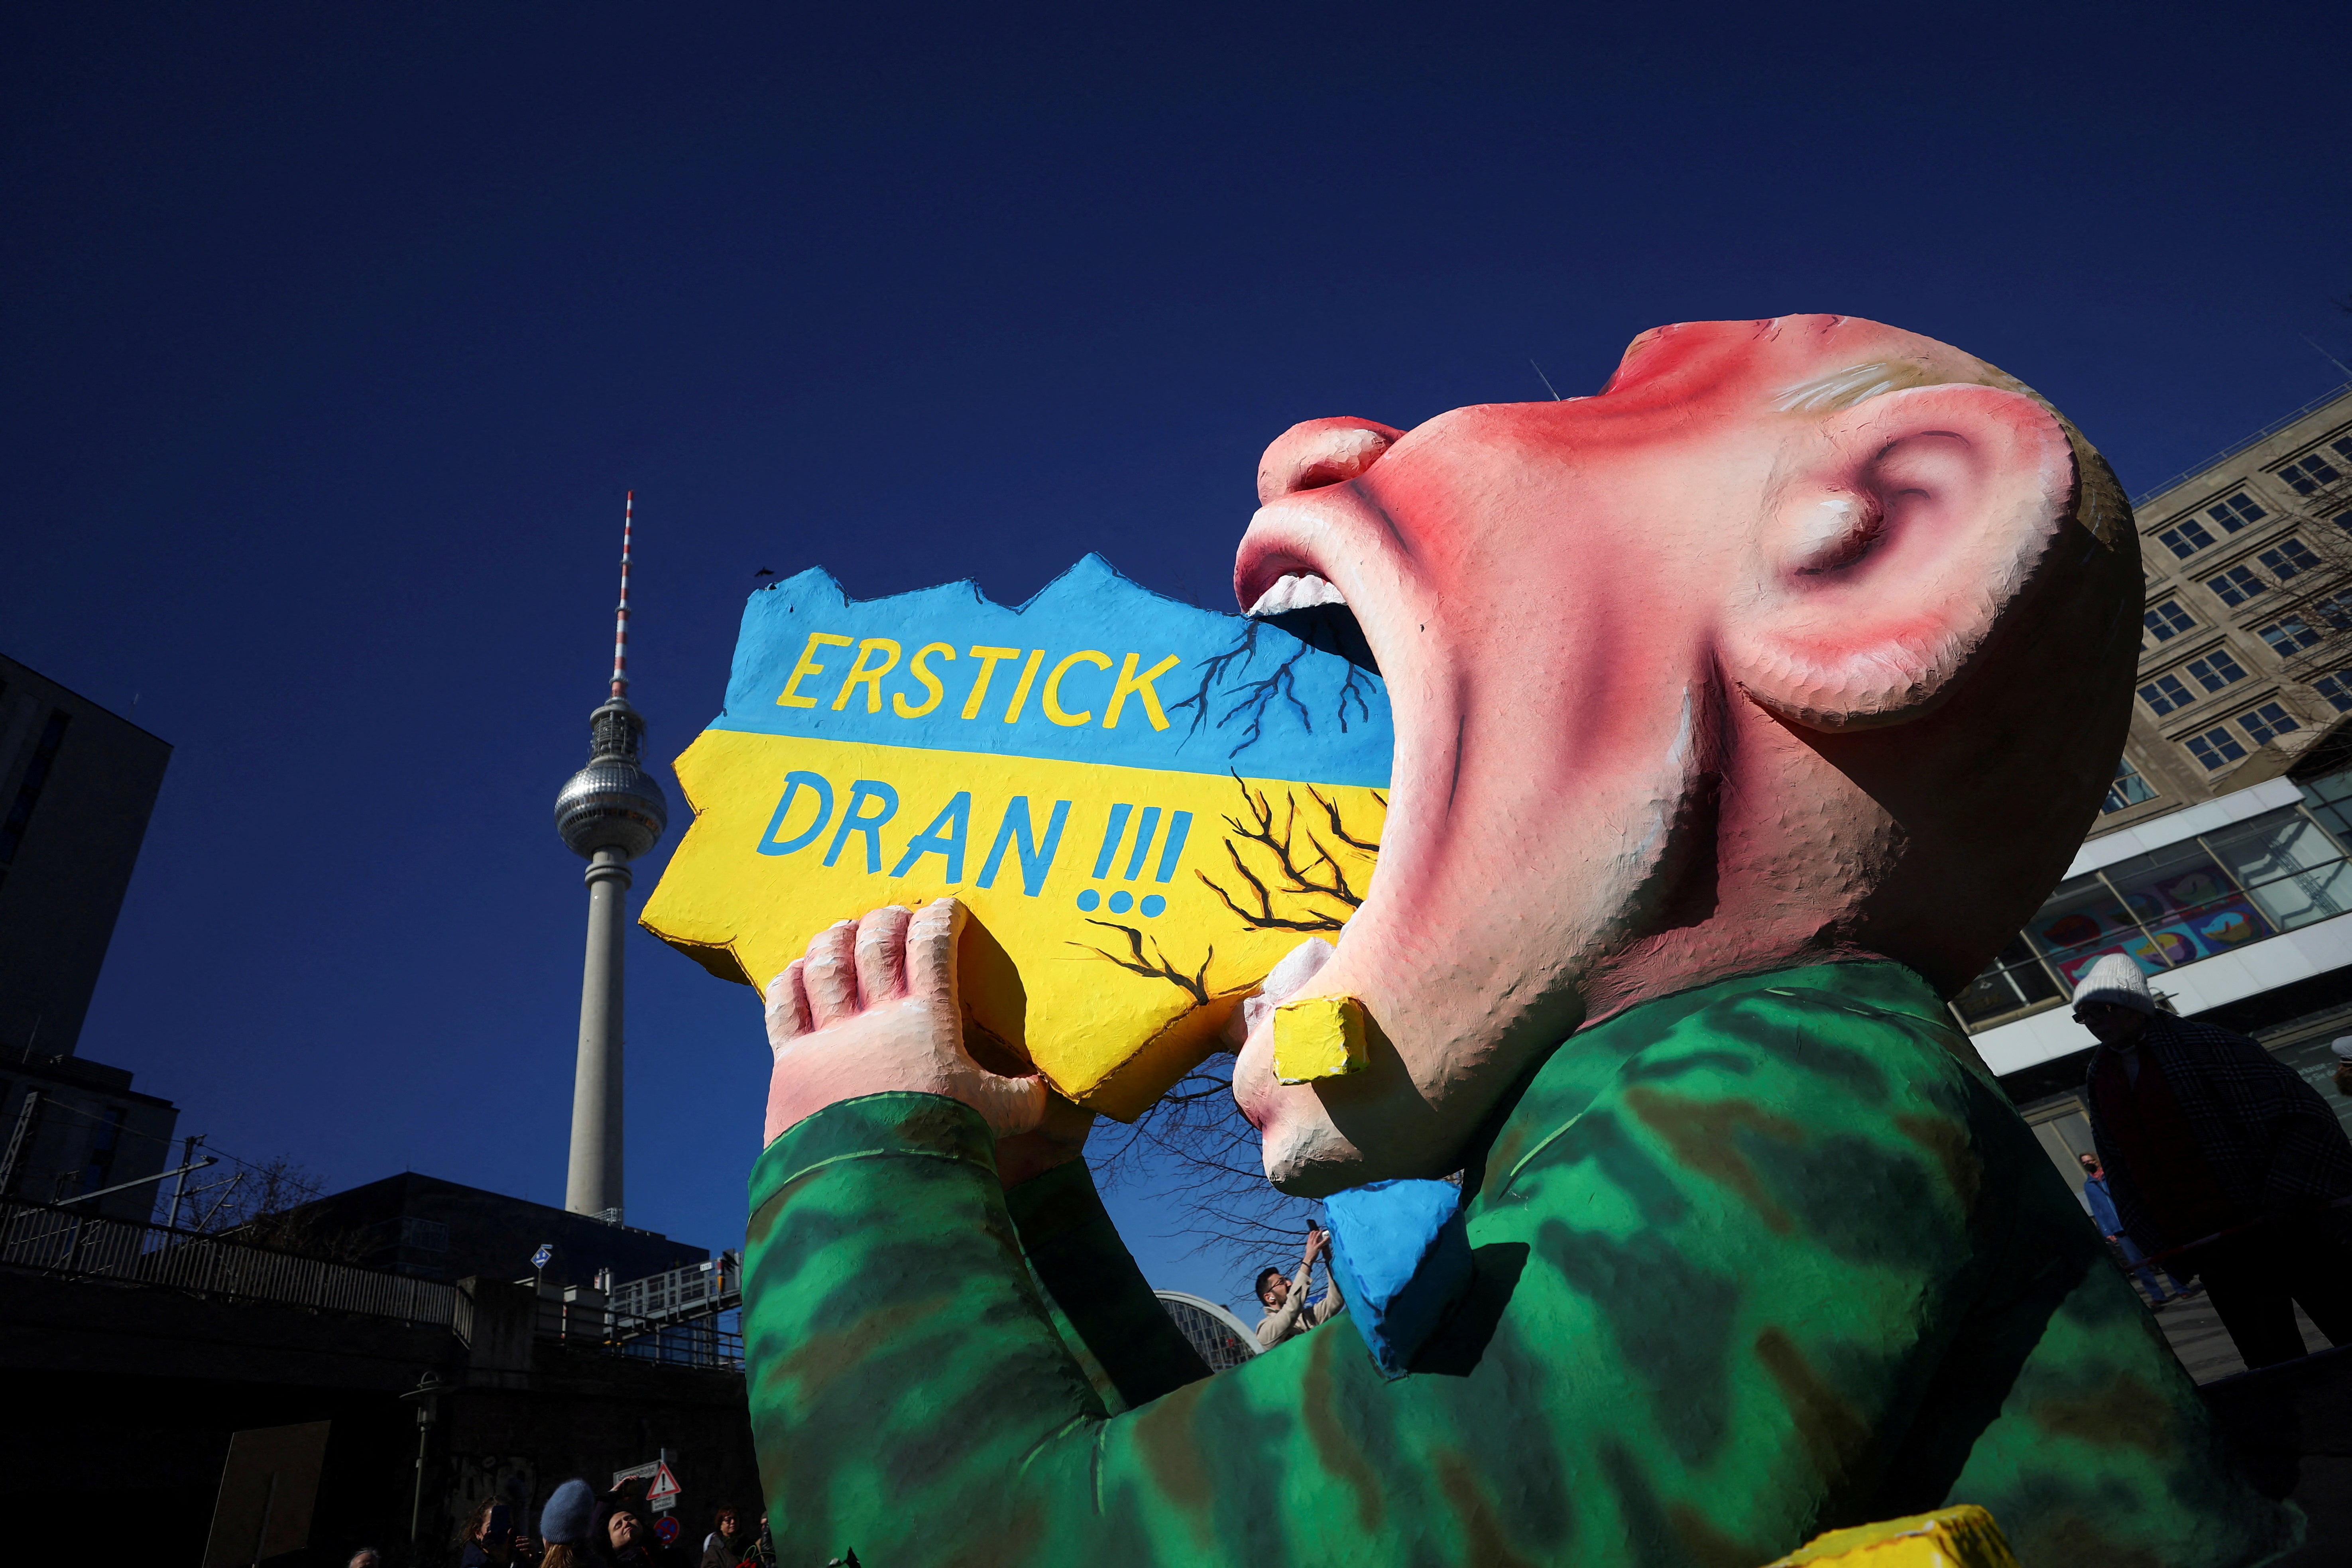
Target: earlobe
<point x="1888" y="555"/>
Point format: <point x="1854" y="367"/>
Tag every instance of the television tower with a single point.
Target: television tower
<point x="611" y="812"/>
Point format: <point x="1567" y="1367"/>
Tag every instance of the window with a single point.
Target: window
<point x="2129" y="788"/>
<point x="2235" y="512"/>
<point x="2216" y="893"/>
<point x="2236" y="585"/>
<point x="2167" y="620"/>
<point x="2336" y="689"/>
<point x="2164" y="694"/>
<point x="2313" y="470"/>
<point x="2185" y="540"/>
<point x="2289" y="560"/>
<point x="2215" y="748"/>
<point x="2215" y="670"/>
<point x="2289" y="636"/>
<point x="2266" y="723"/>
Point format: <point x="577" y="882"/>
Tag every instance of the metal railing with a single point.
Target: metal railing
<point x="71" y="1244"/>
<point x="2226" y="453"/>
<point x="697" y="1290"/>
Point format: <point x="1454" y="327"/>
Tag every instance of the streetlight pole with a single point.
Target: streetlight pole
<point x="428" y="1389"/>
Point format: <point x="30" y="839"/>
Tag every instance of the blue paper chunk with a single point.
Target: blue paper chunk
<point x="1401" y="1255"/>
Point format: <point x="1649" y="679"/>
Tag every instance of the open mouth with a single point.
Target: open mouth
<point x="1311" y="609"/>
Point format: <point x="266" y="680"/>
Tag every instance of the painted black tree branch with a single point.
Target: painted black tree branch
<point x="1298" y="875"/>
<point x="1252" y="698"/>
<point x="1156" y="967"/>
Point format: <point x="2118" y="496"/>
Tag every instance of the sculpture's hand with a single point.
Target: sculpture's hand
<point x="872" y="1009"/>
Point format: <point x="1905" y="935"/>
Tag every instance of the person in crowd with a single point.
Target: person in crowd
<point x="2342" y="1047"/>
<point x="486" y="1539"/>
<point x="2211" y="1143"/>
<point x="365" y="1557"/>
<point x="564" y="1523"/>
<point x="622" y="1537"/>
<point x="726" y="1544"/>
<point x="1287" y="1311"/>
<point x="2103" y="1213"/>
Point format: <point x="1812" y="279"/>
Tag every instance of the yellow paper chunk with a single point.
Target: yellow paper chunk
<point x="1318" y="1037"/>
<point x="1963" y="1537"/>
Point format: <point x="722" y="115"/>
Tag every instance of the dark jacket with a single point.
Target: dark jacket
<point x="2268" y="1142"/>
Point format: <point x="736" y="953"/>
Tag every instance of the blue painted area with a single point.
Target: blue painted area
<point x="1401" y="1254"/>
<point x="1089" y="900"/>
<point x="1243" y="696"/>
<point x="1153" y="904"/>
<point x="1122" y="901"/>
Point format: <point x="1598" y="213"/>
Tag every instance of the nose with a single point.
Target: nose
<point x="1318" y="453"/>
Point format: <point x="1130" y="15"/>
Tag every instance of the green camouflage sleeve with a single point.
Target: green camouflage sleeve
<point x="1767" y="1266"/>
<point x="1104" y="1305"/>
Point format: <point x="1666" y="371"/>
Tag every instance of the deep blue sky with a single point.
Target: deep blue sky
<point x="334" y="333"/>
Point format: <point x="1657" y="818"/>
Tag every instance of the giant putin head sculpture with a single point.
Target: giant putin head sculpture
<point x="1742" y="711"/>
<point x="1803" y="638"/>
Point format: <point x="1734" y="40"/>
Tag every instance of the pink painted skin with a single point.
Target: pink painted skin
<point x="1643" y="650"/>
<point x="872" y="1008"/>
<point x="1800" y="640"/>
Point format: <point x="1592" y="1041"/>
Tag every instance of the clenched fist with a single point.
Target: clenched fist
<point x="872" y="1009"/>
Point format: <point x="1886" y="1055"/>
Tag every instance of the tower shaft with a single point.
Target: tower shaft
<point x="593" y="1185"/>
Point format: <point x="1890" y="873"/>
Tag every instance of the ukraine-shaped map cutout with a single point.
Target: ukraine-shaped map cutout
<point x="1145" y="805"/>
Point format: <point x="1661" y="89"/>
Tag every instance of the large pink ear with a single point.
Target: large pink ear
<point x="1895" y="535"/>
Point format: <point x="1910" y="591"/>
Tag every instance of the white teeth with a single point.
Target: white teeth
<point x="1296" y="591"/>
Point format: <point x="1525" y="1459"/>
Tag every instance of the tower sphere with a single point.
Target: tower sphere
<point x="613" y="803"/>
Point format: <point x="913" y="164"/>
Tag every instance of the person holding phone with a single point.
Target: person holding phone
<point x="488" y="1536"/>
<point x="1288" y="1313"/>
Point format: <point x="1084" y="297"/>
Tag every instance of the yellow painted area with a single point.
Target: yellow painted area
<point x="1112" y="1004"/>
<point x="1963" y="1537"/>
<point x="1318" y="1036"/>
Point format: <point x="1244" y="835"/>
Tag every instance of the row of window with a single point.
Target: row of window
<point x="2229" y="514"/>
<point x="2213" y="671"/>
<point x="2218" y="747"/>
<point x="2168" y="619"/>
<point x="2287" y="636"/>
<point x="2313" y="470"/>
<point x="2305" y="476"/>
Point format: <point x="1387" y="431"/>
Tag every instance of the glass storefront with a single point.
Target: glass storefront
<point x="2209" y="894"/>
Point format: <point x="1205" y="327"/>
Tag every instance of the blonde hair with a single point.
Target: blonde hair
<point x="2100" y="504"/>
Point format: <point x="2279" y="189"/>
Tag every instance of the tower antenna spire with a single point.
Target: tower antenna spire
<point x="620" y="618"/>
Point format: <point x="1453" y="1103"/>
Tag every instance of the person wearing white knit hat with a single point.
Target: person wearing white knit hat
<point x="2342" y="1047"/>
<point x="2222" y="1161"/>
<point x="2113" y="984"/>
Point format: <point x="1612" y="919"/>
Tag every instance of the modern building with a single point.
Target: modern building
<point x="2218" y="861"/>
<point x="70" y="1127"/>
<point x="609" y="813"/>
<point x="77" y="784"/>
<point x="2246" y="654"/>
<point x="427" y="1228"/>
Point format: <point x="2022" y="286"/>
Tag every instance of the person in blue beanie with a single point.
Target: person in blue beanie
<point x="563" y="1524"/>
